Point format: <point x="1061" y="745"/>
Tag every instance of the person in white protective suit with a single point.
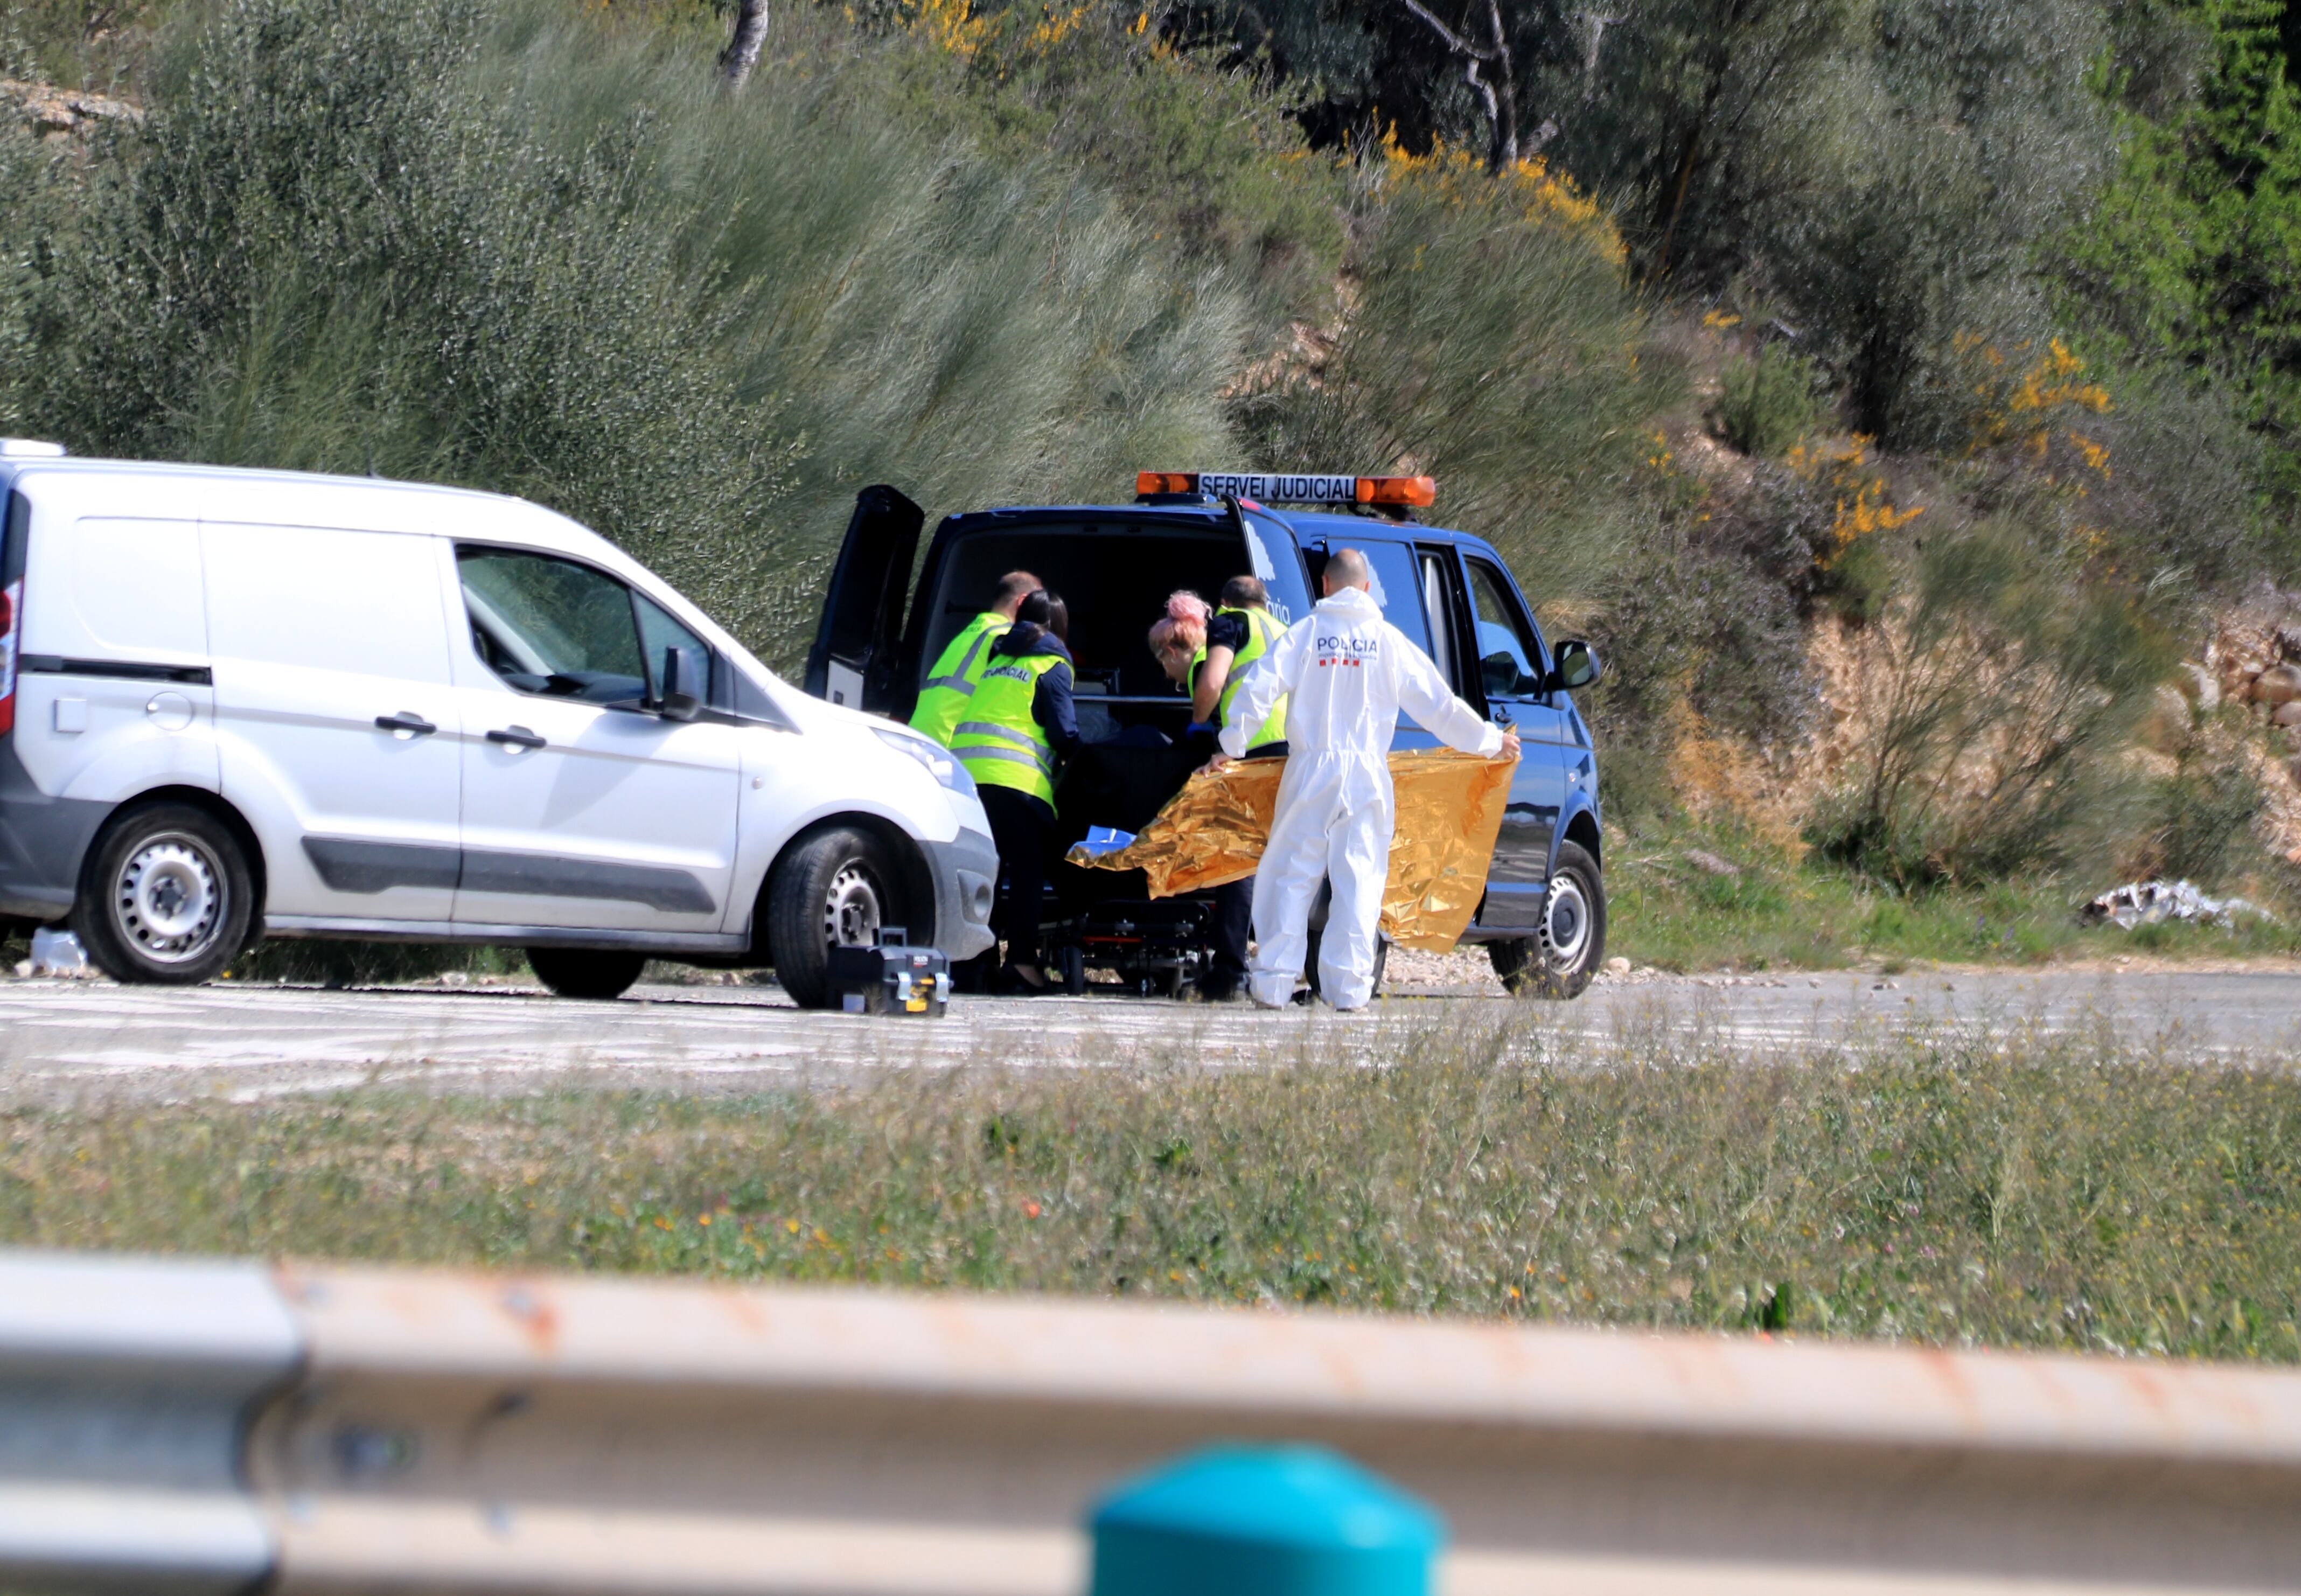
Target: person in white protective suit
<point x="1346" y="673"/>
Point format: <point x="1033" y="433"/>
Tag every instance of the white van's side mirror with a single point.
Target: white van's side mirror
<point x="683" y="686"/>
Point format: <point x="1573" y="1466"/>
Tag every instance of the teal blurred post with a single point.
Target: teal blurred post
<point x="1263" y="1521"/>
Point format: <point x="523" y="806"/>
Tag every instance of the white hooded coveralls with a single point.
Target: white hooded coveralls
<point x="1349" y="672"/>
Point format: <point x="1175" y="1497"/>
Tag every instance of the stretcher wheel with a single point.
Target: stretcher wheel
<point x="1073" y="961"/>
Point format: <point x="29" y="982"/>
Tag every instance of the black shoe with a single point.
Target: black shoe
<point x="1221" y="991"/>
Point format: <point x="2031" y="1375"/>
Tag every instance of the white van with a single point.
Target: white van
<point x="241" y="703"/>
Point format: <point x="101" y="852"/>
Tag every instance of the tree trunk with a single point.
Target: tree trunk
<point x="1677" y="195"/>
<point x="1719" y="62"/>
<point x="742" y="51"/>
<point x="1503" y="151"/>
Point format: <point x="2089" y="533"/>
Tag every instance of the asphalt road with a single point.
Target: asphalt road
<point x="62" y="1040"/>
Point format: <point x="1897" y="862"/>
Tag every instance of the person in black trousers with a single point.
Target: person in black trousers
<point x="1022" y="822"/>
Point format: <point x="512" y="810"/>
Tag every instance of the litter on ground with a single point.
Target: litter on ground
<point x="2151" y="903"/>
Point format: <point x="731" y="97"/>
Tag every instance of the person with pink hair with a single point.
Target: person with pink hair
<point x="1177" y="636"/>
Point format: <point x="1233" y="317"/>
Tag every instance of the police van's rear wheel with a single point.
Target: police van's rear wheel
<point x="586" y="972"/>
<point x="167" y="898"/>
<point x="834" y="890"/>
<point x="1559" y="962"/>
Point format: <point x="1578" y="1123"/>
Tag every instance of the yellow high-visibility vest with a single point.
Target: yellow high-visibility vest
<point x="1000" y="741"/>
<point x="1262" y="634"/>
<point x="952" y="684"/>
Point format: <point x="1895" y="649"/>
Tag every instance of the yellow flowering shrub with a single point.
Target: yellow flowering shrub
<point x="1540" y="195"/>
<point x="952" y="24"/>
<point x="1056" y="26"/>
<point x="2029" y="402"/>
<point x="1861" y="507"/>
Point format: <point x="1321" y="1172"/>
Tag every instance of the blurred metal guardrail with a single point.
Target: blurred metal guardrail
<point x="187" y="1427"/>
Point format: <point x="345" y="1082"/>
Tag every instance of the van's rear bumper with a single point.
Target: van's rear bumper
<point x="966" y="874"/>
<point x="41" y="841"/>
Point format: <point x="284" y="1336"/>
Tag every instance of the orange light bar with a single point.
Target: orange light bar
<point x="1420" y="491"/>
<point x="1148" y="482"/>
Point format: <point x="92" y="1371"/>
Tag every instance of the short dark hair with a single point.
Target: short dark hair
<point x="1245" y="593"/>
<point x="1015" y="584"/>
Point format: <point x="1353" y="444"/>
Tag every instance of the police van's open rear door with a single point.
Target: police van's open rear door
<point x="855" y="650"/>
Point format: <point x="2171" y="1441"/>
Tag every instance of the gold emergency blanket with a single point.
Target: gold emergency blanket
<point x="1450" y="810"/>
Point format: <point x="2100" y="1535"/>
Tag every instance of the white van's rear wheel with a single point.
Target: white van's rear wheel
<point x="586" y="972"/>
<point x="837" y="889"/>
<point x="167" y="898"/>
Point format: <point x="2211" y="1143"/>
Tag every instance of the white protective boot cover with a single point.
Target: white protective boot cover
<point x="1350" y="673"/>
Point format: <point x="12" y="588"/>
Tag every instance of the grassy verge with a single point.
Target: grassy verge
<point x="1668" y="909"/>
<point x="2008" y="1191"/>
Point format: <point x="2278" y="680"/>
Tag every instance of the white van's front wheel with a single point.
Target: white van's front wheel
<point x="167" y="898"/>
<point x="836" y="888"/>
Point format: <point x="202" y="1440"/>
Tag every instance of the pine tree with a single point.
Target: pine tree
<point x="2195" y="251"/>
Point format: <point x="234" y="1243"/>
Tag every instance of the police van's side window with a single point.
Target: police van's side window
<point x="552" y="626"/>
<point x="1507" y="651"/>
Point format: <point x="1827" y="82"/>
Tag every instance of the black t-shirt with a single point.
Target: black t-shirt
<point x="1228" y="631"/>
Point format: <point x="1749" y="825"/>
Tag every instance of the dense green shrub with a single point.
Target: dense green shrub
<point x="1766" y="401"/>
<point x="331" y="250"/>
<point x="1493" y="343"/>
<point x="2007" y="690"/>
<point x="2203" y="828"/>
<point x="518" y="251"/>
<point x="1199" y="149"/>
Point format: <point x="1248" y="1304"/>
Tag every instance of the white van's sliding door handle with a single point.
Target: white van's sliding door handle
<point x="516" y="737"/>
<point x="405" y="724"/>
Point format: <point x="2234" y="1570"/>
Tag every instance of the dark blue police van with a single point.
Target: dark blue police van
<point x="1543" y="918"/>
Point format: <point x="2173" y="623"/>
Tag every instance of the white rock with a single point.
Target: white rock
<point x="2198" y="685"/>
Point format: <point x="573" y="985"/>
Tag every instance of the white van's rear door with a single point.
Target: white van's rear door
<point x="337" y="715"/>
<point x="113" y="694"/>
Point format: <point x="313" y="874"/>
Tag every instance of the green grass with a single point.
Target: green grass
<point x="1666" y="911"/>
<point x="1947" y="1189"/>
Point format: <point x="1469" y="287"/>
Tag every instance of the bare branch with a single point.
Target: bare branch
<point x="1454" y="40"/>
<point x="1596" y="26"/>
<point x="742" y="51"/>
<point x="1497" y="91"/>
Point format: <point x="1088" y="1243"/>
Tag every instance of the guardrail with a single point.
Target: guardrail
<point x="187" y="1427"/>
